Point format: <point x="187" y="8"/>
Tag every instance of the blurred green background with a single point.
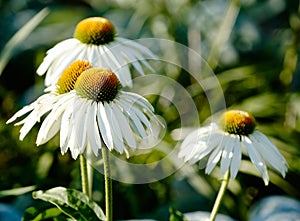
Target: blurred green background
<point x="254" y="56"/>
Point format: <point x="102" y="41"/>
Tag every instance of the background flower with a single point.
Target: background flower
<point x="94" y="40"/>
<point x="224" y="142"/>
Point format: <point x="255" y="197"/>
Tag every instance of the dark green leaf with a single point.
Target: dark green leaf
<point x="73" y="203"/>
<point x="35" y="214"/>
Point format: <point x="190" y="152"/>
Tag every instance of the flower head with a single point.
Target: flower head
<point x="94" y="40"/>
<point x="99" y="85"/>
<point x="44" y="103"/>
<point x="95" y="30"/>
<point x="95" y="114"/>
<point x="223" y="142"/>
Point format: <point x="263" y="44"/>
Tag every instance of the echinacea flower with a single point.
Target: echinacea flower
<point x="97" y="114"/>
<point x="46" y="101"/>
<point x="224" y="142"/>
<point x="94" y="40"/>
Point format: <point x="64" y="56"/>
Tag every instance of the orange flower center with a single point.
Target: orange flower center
<point x="95" y="30"/>
<point x="69" y="77"/>
<point x="237" y="122"/>
<point x="98" y="84"/>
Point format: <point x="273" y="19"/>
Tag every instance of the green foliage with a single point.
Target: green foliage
<point x="255" y="59"/>
<point x="69" y="203"/>
<point x="175" y="215"/>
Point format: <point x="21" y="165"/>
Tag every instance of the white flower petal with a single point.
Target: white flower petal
<point x="93" y="132"/>
<point x="139" y="100"/>
<point x="61" y="62"/>
<point x="193" y="136"/>
<point x="132" y="59"/>
<point x="213" y="159"/>
<point x="72" y="144"/>
<point x="256" y="159"/>
<point x="65" y="129"/>
<point x="105" y="129"/>
<point x="124" y="126"/>
<point x="269" y="152"/>
<point x="115" y="126"/>
<point x="51" y="124"/>
<point x="48" y="130"/>
<point x="133" y="119"/>
<point x="266" y="141"/>
<point x="115" y="64"/>
<point x="211" y="142"/>
<point x="226" y="153"/>
<point x="81" y="111"/>
<point x="236" y="158"/>
<point x="142" y="49"/>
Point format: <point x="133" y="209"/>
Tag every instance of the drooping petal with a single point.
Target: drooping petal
<point x="256" y="159"/>
<point x="212" y="142"/>
<point x="213" y="159"/>
<point x="51" y="124"/>
<point x="226" y="153"/>
<point x="236" y="158"/>
<point x="48" y="130"/>
<point x="269" y="152"/>
<point x="93" y="132"/>
<point x="61" y="62"/>
<point x="194" y="135"/>
<point x="116" y="130"/>
<point x="133" y="119"/>
<point x="104" y="125"/>
<point x="81" y="111"/>
<point x="139" y="100"/>
<point x="72" y="144"/>
<point x="133" y="60"/>
<point x="65" y="129"/>
<point x="124" y="126"/>
<point x="53" y="52"/>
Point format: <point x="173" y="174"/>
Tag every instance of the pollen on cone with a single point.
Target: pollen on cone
<point x="69" y="77"/>
<point x="98" y="84"/>
<point x="95" y="30"/>
<point x="237" y="122"/>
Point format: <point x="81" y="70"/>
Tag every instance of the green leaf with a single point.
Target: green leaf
<point x="175" y="215"/>
<point x="73" y="203"/>
<point x="35" y="214"/>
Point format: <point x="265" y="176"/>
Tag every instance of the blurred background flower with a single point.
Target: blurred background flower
<point x="252" y="47"/>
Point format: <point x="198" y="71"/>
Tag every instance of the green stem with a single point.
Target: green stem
<point x="108" y="184"/>
<point x="222" y="190"/>
<point x="84" y="176"/>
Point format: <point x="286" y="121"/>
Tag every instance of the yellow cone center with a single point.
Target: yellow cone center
<point x="237" y="122"/>
<point x="68" y="78"/>
<point x="95" y="30"/>
<point x="98" y="84"/>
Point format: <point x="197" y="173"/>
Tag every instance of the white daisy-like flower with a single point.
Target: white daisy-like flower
<point x="97" y="114"/>
<point x="46" y="101"/>
<point x="225" y="141"/>
<point x="94" y="40"/>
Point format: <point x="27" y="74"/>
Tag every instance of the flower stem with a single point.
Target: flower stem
<point x="108" y="184"/>
<point x="217" y="204"/>
<point x="84" y="176"/>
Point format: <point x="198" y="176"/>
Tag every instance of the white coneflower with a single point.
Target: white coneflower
<point x="224" y="142"/>
<point x="96" y="112"/>
<point x="94" y="40"/>
<point x="45" y="102"/>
